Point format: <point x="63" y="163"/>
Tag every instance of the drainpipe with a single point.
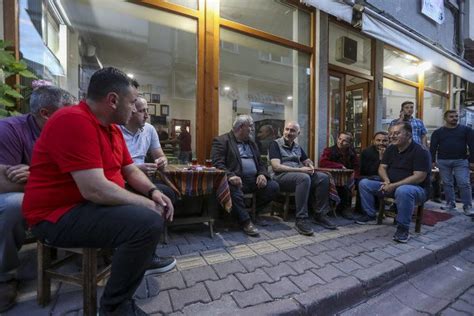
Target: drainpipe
<point x="461" y="28"/>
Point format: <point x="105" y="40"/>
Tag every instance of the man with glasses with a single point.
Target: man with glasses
<point x="141" y="138"/>
<point x="237" y="154"/>
<point x="448" y="148"/>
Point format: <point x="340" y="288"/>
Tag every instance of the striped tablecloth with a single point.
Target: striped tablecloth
<point x="193" y="182"/>
<point x="338" y="177"/>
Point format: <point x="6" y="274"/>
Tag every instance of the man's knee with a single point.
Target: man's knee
<point x="272" y="187"/>
<point x="10" y="207"/>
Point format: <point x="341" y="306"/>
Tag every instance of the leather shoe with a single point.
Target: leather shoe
<point x="8" y="293"/>
<point x="324" y="221"/>
<point x="250" y="229"/>
<point x="347" y="213"/>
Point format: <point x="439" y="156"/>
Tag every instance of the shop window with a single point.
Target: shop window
<point x="275" y="17"/>
<point x="157" y="48"/>
<point x="394" y="94"/>
<point x="270" y="92"/>
<point x="349" y="49"/>
<point x="437" y="79"/>
<point x="400" y="64"/>
<point x="230" y="47"/>
<point x="434" y="106"/>
<point x="335" y="106"/>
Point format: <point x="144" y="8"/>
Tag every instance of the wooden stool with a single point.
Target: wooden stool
<point x="253" y="206"/>
<point x="87" y="279"/>
<point x="286" y="204"/>
<point x="388" y="201"/>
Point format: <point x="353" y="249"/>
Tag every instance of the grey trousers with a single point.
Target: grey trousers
<point x="12" y="233"/>
<point x="311" y="191"/>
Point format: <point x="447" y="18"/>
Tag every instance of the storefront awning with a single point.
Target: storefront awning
<point x="378" y="29"/>
<point x="333" y="7"/>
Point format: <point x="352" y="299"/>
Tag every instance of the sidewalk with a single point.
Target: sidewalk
<point x="281" y="272"/>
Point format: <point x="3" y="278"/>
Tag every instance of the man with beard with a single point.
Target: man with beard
<point x="371" y="156"/>
<point x="238" y="155"/>
<point x="76" y="197"/>
<point x="294" y="172"/>
<point x="449" y="147"/>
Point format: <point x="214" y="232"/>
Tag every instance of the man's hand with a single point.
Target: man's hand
<point x="163" y="205"/>
<point x="387" y="187"/>
<point x="381" y="151"/>
<point x="148" y="168"/>
<point x="261" y="181"/>
<point x="307" y="170"/>
<point x="161" y="162"/>
<point x="235" y="180"/>
<point x="18" y="173"/>
<point x="434" y="165"/>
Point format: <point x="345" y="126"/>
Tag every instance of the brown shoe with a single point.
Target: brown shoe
<point x="8" y="293"/>
<point x="250" y="229"/>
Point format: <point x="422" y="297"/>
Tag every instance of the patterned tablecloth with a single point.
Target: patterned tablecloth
<point x="338" y="177"/>
<point x="197" y="182"/>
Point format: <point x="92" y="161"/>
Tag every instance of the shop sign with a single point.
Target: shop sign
<point x="434" y="9"/>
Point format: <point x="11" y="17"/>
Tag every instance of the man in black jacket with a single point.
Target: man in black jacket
<point x="238" y="155"/>
<point x="371" y="156"/>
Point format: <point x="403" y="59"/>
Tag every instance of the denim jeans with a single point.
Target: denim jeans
<point x="310" y="191"/>
<point x="406" y="197"/>
<point x="133" y="230"/>
<point x="12" y="233"/>
<point x="458" y="168"/>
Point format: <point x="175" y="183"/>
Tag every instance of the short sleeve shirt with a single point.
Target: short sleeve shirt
<point x="72" y="140"/>
<point x="18" y="136"/>
<point x="418" y="129"/>
<point x="141" y="142"/>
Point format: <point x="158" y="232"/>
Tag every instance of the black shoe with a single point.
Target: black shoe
<point x="449" y="207"/>
<point x="250" y="229"/>
<point x="126" y="308"/>
<point x="401" y="235"/>
<point x="347" y="213"/>
<point x="160" y="265"/>
<point x="303" y="227"/>
<point x="8" y="293"/>
<point x="366" y="220"/>
<point x="324" y="221"/>
<point x="437" y="200"/>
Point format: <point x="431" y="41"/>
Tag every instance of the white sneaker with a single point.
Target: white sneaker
<point x="469" y="211"/>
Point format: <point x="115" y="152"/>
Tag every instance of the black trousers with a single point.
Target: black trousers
<point x="264" y="196"/>
<point x="133" y="230"/>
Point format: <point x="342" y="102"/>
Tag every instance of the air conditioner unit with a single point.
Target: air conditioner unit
<point x="346" y="50"/>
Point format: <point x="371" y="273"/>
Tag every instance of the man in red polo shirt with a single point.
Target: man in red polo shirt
<point x="75" y="195"/>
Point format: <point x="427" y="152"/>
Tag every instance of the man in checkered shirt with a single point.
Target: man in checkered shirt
<point x="418" y="128"/>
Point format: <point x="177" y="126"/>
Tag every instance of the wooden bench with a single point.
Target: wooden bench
<point x="389" y="201"/>
<point x="87" y="279"/>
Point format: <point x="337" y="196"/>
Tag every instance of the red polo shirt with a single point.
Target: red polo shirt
<point x="73" y="139"/>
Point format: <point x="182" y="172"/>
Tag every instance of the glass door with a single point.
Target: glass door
<point x="355" y="113"/>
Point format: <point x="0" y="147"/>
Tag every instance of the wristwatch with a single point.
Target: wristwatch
<point x="150" y="192"/>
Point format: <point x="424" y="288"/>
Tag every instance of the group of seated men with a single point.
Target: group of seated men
<point x="81" y="180"/>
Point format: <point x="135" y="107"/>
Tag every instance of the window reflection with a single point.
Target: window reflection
<point x="394" y="94"/>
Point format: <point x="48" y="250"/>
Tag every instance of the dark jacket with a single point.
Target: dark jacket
<point x="369" y="162"/>
<point x="225" y="156"/>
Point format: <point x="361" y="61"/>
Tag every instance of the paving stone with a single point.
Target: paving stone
<point x="369" y="245"/>
<point x="277" y="257"/>
<point x="220" y="287"/>
<point x="391" y="250"/>
<point x="67" y="302"/>
<point x="468" y="255"/>
<point x="241" y="251"/>
<point x="322" y="259"/>
<point x="280" y="307"/>
<point x="328" y="273"/>
<point x="158" y="304"/>
<point x="300" y="240"/>
<point x="181" y="298"/>
<point x="254" y="263"/>
<point x="302" y="265"/>
<point x="306" y="280"/>
<point x="170" y="280"/>
<point x="333" y="244"/>
<point x="226" y="268"/>
<point x="379" y="255"/>
<point x="216" y="256"/>
<point x="281" y="270"/>
<point x="364" y="260"/>
<point x="297" y="253"/>
<point x="190" y="261"/>
<point x="339" y="254"/>
<point x="316" y="248"/>
<point x="347" y="240"/>
<point x="262" y="247"/>
<point x="193" y="276"/>
<point x="417" y="260"/>
<point x="281" y="288"/>
<point x="252" y="278"/>
<point x="224" y="306"/>
<point x="347" y="266"/>
<point x="452" y="312"/>
<point x="168" y="251"/>
<point x="333" y="297"/>
<point x="255" y="296"/>
<point x="462" y="306"/>
<point x="190" y="248"/>
<point x="380" y="274"/>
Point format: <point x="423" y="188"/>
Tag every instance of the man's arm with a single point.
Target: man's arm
<point x="218" y="154"/>
<point x="6" y="185"/>
<point x="383" y="173"/>
<point x="159" y="157"/>
<point x="424" y="141"/>
<point x="417" y="177"/>
<point x="434" y="145"/>
<point x="278" y="167"/>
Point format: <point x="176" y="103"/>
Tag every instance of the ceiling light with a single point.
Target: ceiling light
<point x="289" y="97"/>
<point x="226" y="88"/>
<point x="130" y="75"/>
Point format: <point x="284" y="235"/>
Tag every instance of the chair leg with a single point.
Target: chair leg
<point x="254" y="207"/>
<point x="381" y="211"/>
<point x="286" y="207"/>
<point x="89" y="270"/>
<point x="419" y="217"/>
<point x="44" y="281"/>
<point x="211" y="228"/>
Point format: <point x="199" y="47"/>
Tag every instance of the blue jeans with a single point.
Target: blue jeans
<point x="12" y="232"/>
<point x="458" y="168"/>
<point x="406" y="197"/>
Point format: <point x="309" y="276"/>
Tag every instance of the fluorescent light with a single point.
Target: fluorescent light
<point x="226" y="88"/>
<point x="256" y="110"/>
<point x="289" y="97"/>
<point x="130" y="75"/>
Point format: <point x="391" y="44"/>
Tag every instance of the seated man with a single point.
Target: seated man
<point x="342" y="156"/>
<point x="140" y="138"/>
<point x="236" y="154"/>
<point x="404" y="169"/>
<point x="294" y="172"/>
<point x="75" y="195"/>
<point x="19" y="134"/>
